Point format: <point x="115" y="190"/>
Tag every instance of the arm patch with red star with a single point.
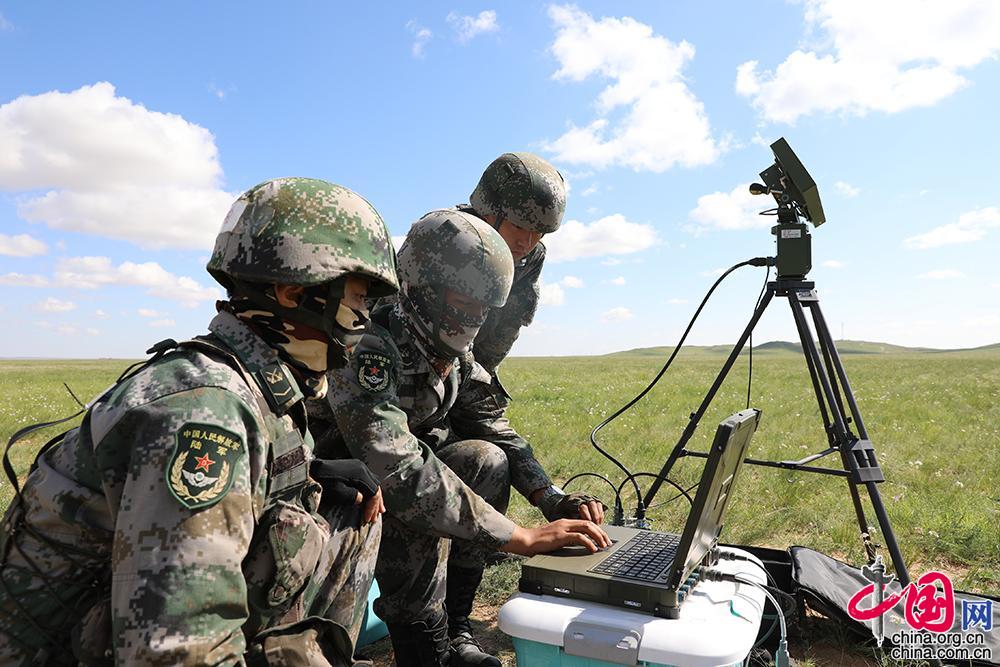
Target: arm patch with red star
<point x="203" y="464"/>
<point x="374" y="371"/>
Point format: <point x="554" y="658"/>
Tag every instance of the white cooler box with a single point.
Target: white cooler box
<point x="717" y="627"/>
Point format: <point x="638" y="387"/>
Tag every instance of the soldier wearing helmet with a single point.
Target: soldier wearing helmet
<point x="186" y="520"/>
<point x="418" y="410"/>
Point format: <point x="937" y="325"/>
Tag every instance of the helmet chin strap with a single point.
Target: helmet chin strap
<point x="340" y="339"/>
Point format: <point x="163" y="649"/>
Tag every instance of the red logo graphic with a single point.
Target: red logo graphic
<point x="925" y="608"/>
<point x="203" y="462"/>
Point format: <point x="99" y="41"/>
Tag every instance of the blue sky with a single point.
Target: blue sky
<point x="126" y="130"/>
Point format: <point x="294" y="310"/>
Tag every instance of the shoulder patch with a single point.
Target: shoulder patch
<point x="203" y="463"/>
<point x="374" y="371"/>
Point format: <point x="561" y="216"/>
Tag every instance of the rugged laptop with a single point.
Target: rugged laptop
<point x="647" y="570"/>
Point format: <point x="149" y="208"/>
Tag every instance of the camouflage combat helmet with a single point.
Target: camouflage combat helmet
<point x="449" y="249"/>
<point x="303" y="231"/>
<point x="310" y="233"/>
<point x="524" y="189"/>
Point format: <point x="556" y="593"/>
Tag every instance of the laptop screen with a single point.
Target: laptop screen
<point x="705" y="521"/>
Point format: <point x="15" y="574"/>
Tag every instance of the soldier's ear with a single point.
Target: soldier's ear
<point x="288" y="296"/>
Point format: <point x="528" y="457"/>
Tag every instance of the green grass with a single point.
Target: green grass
<point x="934" y="418"/>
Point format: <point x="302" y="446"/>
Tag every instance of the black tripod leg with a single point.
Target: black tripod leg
<point x="837" y="430"/>
<point x="880" y="513"/>
<point x="692" y="425"/>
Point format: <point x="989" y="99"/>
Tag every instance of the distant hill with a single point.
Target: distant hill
<point x="776" y="347"/>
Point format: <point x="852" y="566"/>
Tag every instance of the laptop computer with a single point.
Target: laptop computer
<point x="645" y="570"/>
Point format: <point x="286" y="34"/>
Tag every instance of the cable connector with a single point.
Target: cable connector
<point x="762" y="261"/>
<point x="781" y="657"/>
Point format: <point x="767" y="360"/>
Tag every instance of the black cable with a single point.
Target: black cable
<point x="683" y="491"/>
<point x="617" y="492"/>
<point x="750" y="341"/>
<point x="756" y="261"/>
<point x="673" y="498"/>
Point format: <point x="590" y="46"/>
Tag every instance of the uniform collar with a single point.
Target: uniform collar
<point x="248" y="347"/>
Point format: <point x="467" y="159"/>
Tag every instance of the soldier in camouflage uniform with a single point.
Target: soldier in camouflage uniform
<point x="185" y="521"/>
<point x="419" y="411"/>
<point x="523" y="197"/>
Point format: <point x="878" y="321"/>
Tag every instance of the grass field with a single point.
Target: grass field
<point x="934" y="419"/>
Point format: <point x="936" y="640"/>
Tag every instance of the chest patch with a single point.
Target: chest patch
<point x="203" y="464"/>
<point x="374" y="371"/>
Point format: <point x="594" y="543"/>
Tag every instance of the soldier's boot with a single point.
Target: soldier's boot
<point x="465" y="650"/>
<point x="421" y="643"/>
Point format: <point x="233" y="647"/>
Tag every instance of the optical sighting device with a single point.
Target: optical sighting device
<point x="798" y="197"/>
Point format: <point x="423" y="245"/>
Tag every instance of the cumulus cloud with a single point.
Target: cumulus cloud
<point x="677" y="302"/>
<point x="611" y="235"/>
<point x="21" y="245"/>
<point x="52" y="305"/>
<point x="833" y="264"/>
<point x="421" y="35"/>
<point x="24" y="280"/>
<point x="659" y="122"/>
<point x="737" y="209"/>
<point x="886" y="56"/>
<point x="846" y="189"/>
<point x="971" y="226"/>
<point x="108" y="166"/>
<point x="149" y="312"/>
<point x="620" y="280"/>
<point x="619" y="314"/>
<point x="942" y="274"/>
<point x="554" y="294"/>
<point x="468" y="27"/>
<point x="94" y="272"/>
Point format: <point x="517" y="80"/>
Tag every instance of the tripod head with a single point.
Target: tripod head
<point x="797" y="197"/>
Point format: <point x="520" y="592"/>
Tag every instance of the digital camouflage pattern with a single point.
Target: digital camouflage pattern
<point x="112" y="557"/>
<point x="524" y="189"/>
<point x="449" y="249"/>
<point x="303" y="231"/>
<point x="503" y="325"/>
<point x="444" y="452"/>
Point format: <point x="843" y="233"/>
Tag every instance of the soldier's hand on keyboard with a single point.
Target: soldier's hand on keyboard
<point x="555" y="535"/>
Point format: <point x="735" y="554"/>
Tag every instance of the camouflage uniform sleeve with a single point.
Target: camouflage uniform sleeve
<point x="503" y="326"/>
<point x="178" y="593"/>
<point x="478" y="413"/>
<point x="417" y="487"/>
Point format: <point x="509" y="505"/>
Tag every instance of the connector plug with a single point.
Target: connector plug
<point x="781" y="658"/>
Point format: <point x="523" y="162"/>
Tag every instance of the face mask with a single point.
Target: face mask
<point x="448" y="330"/>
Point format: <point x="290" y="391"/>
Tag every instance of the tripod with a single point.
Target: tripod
<point x="830" y="384"/>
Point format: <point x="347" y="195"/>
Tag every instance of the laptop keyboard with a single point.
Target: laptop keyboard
<point x="646" y="557"/>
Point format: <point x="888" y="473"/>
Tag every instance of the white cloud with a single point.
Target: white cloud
<point x="677" y="302"/>
<point x="162" y="323"/>
<point x="942" y="274"/>
<point x="971" y="226"/>
<point x="834" y="264"/>
<point x="592" y="189"/>
<point x="92" y="331"/>
<point x="52" y="305"/>
<point x="67" y="329"/>
<point x="611" y="261"/>
<point x="737" y="209"/>
<point x="100" y="314"/>
<point x="397" y="241"/>
<point x="886" y="56"/>
<point x="112" y="168"/>
<point x="552" y="294"/>
<point x="421" y="36"/>
<point x="616" y="315"/>
<point x="24" y="280"/>
<point x="21" y="245"/>
<point x="620" y="280"/>
<point x="148" y="312"/>
<point x="662" y="122"/>
<point x="846" y="189"/>
<point x="610" y="235"/>
<point x="467" y="27"/>
<point x="713" y="273"/>
<point x="93" y="272"/>
<point x="5" y="25"/>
